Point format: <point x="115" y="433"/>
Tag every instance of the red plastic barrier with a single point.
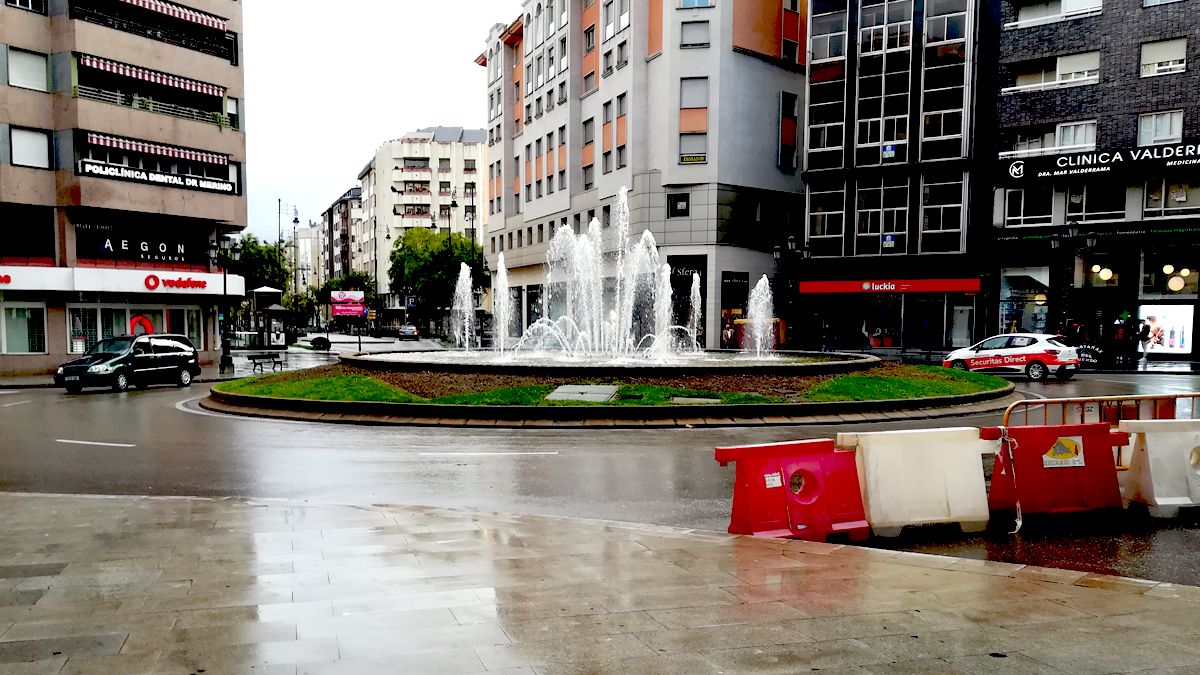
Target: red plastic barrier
<point x="1058" y="469"/>
<point x="800" y="490"/>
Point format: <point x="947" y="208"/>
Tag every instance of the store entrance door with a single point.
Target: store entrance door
<point x="960" y="326"/>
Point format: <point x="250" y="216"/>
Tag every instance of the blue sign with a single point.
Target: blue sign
<point x="889" y="151"/>
<point x="889" y="241"/>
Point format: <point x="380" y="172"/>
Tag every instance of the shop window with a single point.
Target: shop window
<point x="1169" y="328"/>
<point x="1024" y="293"/>
<point x="941" y="215"/>
<point x="1166" y="198"/>
<point x="1096" y="202"/>
<point x="22" y="328"/>
<point x="1029" y="206"/>
<point x="882" y="217"/>
<point x="1168" y="275"/>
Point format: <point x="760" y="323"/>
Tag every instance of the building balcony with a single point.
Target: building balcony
<point x="1053" y="84"/>
<point x="159" y="27"/>
<point x="1055" y="18"/>
<point x="1048" y="150"/>
<point x="150" y="105"/>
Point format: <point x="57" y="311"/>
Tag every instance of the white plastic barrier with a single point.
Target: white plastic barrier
<point x="1164" y="468"/>
<point x="921" y="477"/>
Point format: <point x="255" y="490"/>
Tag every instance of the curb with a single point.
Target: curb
<point x="767" y="414"/>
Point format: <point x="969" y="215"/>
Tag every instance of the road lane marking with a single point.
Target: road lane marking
<point x="482" y="454"/>
<point x="9" y="405"/>
<point x="107" y="445"/>
<point x="2" y="393"/>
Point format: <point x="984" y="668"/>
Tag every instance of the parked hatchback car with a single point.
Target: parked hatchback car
<point x="1036" y="355"/>
<point x="137" y="361"/>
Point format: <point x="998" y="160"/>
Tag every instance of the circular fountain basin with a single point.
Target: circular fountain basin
<point x="559" y="364"/>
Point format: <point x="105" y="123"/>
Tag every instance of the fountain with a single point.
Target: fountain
<point x="462" y="313"/>
<point x="760" y="334"/>
<point x="607" y="301"/>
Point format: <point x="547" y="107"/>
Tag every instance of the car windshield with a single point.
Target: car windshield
<point x="1055" y="342"/>
<point x="111" y="346"/>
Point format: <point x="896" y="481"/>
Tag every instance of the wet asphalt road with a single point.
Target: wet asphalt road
<point x="158" y="442"/>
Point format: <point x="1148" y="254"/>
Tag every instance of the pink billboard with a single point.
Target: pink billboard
<point x="349" y="309"/>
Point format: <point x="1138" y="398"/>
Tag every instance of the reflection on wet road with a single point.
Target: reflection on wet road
<point x="142" y="443"/>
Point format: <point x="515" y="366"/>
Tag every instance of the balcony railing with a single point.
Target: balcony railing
<point x="218" y="46"/>
<point x="1052" y="84"/>
<point x="1054" y="18"/>
<point x="150" y="105"/>
<point x="1049" y="150"/>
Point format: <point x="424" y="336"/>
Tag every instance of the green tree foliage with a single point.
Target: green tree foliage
<point x="302" y="305"/>
<point x="425" y="264"/>
<point x="262" y="264"/>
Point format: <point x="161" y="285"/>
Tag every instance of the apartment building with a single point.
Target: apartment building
<point x="1098" y="168"/>
<point x="306" y="247"/>
<point x="897" y="168"/>
<point x="122" y="153"/>
<point x="692" y="104"/>
<point x="342" y="223"/>
<point x="427" y="178"/>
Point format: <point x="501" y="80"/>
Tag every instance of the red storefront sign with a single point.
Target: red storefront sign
<point x="892" y="286"/>
<point x="349" y="309"/>
<point x="5" y="278"/>
<point x="153" y="282"/>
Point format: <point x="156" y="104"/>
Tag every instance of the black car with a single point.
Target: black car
<point x="132" y="360"/>
<point x="409" y="333"/>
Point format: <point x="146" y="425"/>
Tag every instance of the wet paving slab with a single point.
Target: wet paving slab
<point x="189" y="585"/>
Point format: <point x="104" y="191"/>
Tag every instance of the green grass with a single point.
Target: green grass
<point x="336" y="388"/>
<point x="648" y="394"/>
<point x="924" y="382"/>
<point x="530" y="395"/>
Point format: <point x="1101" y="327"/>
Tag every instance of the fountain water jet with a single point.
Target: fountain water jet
<point x="501" y="305"/>
<point x="760" y="334"/>
<point x="694" y="305"/>
<point x="462" y="313"/>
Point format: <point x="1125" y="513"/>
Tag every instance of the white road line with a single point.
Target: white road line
<point x="482" y="454"/>
<point x="9" y="405"/>
<point x="107" y="445"/>
<point x="2" y="393"/>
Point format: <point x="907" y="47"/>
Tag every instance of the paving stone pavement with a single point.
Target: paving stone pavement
<point x="184" y="585"/>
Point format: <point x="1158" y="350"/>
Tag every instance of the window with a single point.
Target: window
<point x="589" y="176"/>
<point x="948" y="28"/>
<point x="826" y="214"/>
<point x="693" y="92"/>
<point x="788" y="122"/>
<point x="694" y="34"/>
<point x="1160" y="128"/>
<point x="469" y="165"/>
<point x="542" y="232"/>
<point x="1164" y="58"/>
<point x="537" y="109"/>
<point x="22" y="328"/>
<point x="679" y="205"/>
<point x="1030" y="206"/>
<point x="608" y="112"/>
<point x="27" y="70"/>
<point x="562" y="92"/>
<point x="882" y="217"/>
<point x="562" y="179"/>
<point x="538" y="187"/>
<point x="829" y="37"/>
<point x="946" y="124"/>
<point x="691" y="4"/>
<point x="562" y="49"/>
<point x="589" y="39"/>
<point x="622" y="158"/>
<point x="609" y="19"/>
<point x="693" y="148"/>
<point x="30" y="147"/>
<point x="825" y="136"/>
<point x="1171" y="197"/>
<point x="621" y="106"/>
<point x="550" y="184"/>
<point x="789" y="52"/>
<point x="1076" y="67"/>
<point x="606" y="217"/>
<point x="38" y="6"/>
<point x="520" y="239"/>
<point x="589" y="131"/>
<point x="1096" y="201"/>
<point x="528" y="78"/>
<point x="607" y="166"/>
<point x="1080" y="135"/>
<point x="942" y="214"/>
<point x="622" y="54"/>
<point x="608" y="63"/>
<point x="589" y="83"/>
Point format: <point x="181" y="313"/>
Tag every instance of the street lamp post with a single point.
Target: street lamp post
<point x="225" y="250"/>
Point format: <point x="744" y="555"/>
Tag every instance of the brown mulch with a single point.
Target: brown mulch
<point x="431" y="384"/>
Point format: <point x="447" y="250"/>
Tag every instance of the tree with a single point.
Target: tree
<point x="262" y="264"/>
<point x="425" y="264"/>
<point x="302" y="305"/>
<point x="354" y="281"/>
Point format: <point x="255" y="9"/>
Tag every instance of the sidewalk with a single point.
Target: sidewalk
<point x="182" y="585"/>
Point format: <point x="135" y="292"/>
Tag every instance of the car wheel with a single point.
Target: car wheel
<point x="1063" y="374"/>
<point x="73" y="390"/>
<point x="120" y="381"/>
<point x="184" y="378"/>
<point x="959" y="365"/>
<point x="1036" y="371"/>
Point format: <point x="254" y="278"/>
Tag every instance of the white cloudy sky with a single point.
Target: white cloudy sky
<point x="326" y="83"/>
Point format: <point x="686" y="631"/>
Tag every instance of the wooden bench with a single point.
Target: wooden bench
<point x="257" y="361"/>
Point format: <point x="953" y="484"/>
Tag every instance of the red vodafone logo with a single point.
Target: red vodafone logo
<point x="153" y="282"/>
<point x="5" y="278"/>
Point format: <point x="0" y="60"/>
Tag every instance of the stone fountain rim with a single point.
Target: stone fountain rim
<point x="839" y="363"/>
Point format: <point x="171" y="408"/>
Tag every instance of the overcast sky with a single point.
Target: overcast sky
<point x="327" y="83"/>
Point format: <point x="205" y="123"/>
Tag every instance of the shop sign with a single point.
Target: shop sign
<point x="349" y="309"/>
<point x="693" y="159"/>
<point x="126" y="173"/>
<point x="346" y="296"/>
<point x="111" y="242"/>
<point x="1158" y="157"/>
<point x="892" y="286"/>
<point x="5" y="278"/>
<point x="153" y="282"/>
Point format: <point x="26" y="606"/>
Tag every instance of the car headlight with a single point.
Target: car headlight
<point x="102" y="368"/>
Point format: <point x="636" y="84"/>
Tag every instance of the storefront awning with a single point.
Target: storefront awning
<point x="150" y="75"/>
<point x="892" y="286"/>
<point x="156" y="149"/>
<point x="180" y="12"/>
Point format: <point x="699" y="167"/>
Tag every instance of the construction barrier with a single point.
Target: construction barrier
<point x="800" y="489"/>
<point x="921" y="477"/>
<point x="1110" y="409"/>
<point x="1055" y="469"/>
<point x="1164" y="465"/>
